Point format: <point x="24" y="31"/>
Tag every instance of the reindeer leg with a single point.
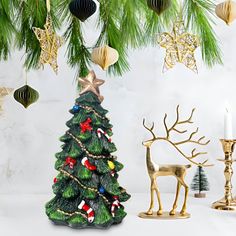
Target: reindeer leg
<point x="159" y="212"/>
<point x="183" y="211"/>
<point x="149" y="212"/>
<point x="173" y="211"/>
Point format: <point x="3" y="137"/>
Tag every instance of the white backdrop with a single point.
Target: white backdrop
<point x="29" y="138"/>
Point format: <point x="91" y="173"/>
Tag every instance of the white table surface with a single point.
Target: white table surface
<point x="23" y="215"/>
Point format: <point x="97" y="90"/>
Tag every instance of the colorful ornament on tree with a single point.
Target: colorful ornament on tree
<point x="91" y="83"/>
<point x="86" y="125"/>
<point x="50" y="42"/>
<point x="104" y="56"/>
<point x="85" y="162"/>
<point x="76" y="108"/>
<point x="226" y="11"/>
<point x="101" y="131"/>
<point x="26" y="95"/>
<point x="113" y="173"/>
<point x="90" y="212"/>
<point x="159" y="6"/>
<point x="71" y="162"/>
<point x="115" y="204"/>
<point x="111" y="165"/>
<point x="101" y="190"/>
<point x="82" y="9"/>
<point x="3" y="93"/>
<point x="55" y="180"/>
<point x="180" y="47"/>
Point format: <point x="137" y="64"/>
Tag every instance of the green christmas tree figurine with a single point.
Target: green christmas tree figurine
<point x="200" y="183"/>
<point x="87" y="193"/>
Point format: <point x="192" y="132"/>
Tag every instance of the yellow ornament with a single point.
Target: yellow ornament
<point x="111" y="165"/>
<point x="180" y="47"/>
<point x="50" y="42"/>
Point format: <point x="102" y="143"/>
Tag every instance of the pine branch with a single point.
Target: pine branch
<point x="78" y="54"/>
<point x="7" y="27"/>
<point x="199" y="17"/>
<point x="156" y="24"/>
<point x="111" y="34"/>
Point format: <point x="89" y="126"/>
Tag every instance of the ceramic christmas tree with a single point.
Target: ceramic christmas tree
<point x="200" y="183"/>
<point x="87" y="190"/>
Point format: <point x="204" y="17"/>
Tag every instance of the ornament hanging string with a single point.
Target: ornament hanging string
<point x="48" y="4"/>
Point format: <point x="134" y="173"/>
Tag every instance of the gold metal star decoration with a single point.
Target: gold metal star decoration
<point x="91" y="83"/>
<point x="180" y="47"/>
<point x="50" y="42"/>
<point x="3" y="93"/>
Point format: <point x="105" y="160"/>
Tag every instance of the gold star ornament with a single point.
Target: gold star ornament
<point x="50" y="42"/>
<point x="3" y="93"/>
<point x="180" y="47"/>
<point x="91" y="83"/>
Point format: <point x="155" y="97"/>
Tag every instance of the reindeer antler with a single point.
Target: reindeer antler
<point x="150" y="129"/>
<point x="199" y="141"/>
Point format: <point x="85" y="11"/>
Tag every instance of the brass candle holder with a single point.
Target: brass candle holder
<point x="227" y="203"/>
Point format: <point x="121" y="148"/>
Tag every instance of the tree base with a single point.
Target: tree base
<point x="82" y="226"/>
<point x="199" y="195"/>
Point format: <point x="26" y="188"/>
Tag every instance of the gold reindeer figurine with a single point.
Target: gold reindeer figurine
<point x="178" y="171"/>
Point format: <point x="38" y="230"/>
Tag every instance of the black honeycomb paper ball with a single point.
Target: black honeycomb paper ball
<point x="82" y="9"/>
<point x="159" y="6"/>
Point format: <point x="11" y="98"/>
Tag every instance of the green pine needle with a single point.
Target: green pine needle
<point x="123" y="24"/>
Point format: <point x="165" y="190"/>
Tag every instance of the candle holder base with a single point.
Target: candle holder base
<point x="223" y="206"/>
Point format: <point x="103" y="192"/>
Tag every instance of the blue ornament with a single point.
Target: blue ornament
<point x="101" y="190"/>
<point x="76" y="108"/>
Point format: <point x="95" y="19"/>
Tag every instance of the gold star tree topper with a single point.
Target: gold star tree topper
<point x="50" y="42"/>
<point x="180" y="47"/>
<point x="91" y="83"/>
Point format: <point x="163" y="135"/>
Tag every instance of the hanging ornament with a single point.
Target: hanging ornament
<point x="180" y="47"/>
<point x="104" y="56"/>
<point x="26" y="95"/>
<point x="226" y="11"/>
<point x="159" y="6"/>
<point x="71" y="162"/>
<point x="49" y="41"/>
<point x="90" y="212"/>
<point x="111" y="165"/>
<point x="55" y="180"/>
<point x="115" y="204"/>
<point x="101" y="190"/>
<point x="76" y="108"/>
<point x="3" y="93"/>
<point x="86" y="125"/>
<point x="85" y="162"/>
<point x="91" y="83"/>
<point x="101" y="131"/>
<point x="82" y="9"/>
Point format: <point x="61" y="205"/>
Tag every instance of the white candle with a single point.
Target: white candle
<point x="228" y="124"/>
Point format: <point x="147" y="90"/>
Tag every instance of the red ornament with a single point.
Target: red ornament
<point x="86" y="125"/>
<point x="55" y="180"/>
<point x="90" y="212"/>
<point x="85" y="162"/>
<point x="71" y="162"/>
